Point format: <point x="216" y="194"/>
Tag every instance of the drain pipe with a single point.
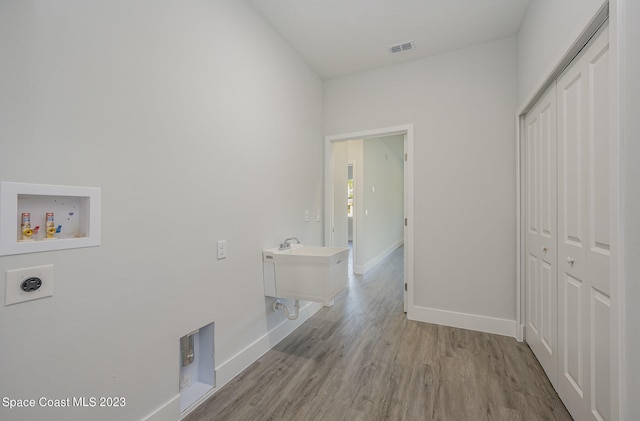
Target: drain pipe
<point x="277" y="305"/>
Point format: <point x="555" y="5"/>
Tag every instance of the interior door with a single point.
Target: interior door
<point x="541" y="236"/>
<point x="583" y="226"/>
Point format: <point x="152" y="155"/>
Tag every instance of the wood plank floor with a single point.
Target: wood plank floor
<point x="363" y="360"/>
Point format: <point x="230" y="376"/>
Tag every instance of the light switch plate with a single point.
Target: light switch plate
<point x="15" y="277"/>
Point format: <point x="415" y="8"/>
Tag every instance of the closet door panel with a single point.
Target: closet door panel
<point x="598" y="252"/>
<point x="574" y="324"/>
<point x="600" y="356"/>
<point x="548" y="318"/>
<point x="584" y="234"/>
<point x="532" y="138"/>
<point x="541" y="238"/>
<point x="533" y="301"/>
<point x="571" y="341"/>
<point x="572" y="187"/>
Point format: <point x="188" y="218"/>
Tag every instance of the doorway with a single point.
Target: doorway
<point x="337" y="166"/>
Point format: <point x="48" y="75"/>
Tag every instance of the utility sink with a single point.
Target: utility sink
<point x="308" y="273"/>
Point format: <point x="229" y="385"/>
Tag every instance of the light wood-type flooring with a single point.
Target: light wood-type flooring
<point x="361" y="359"/>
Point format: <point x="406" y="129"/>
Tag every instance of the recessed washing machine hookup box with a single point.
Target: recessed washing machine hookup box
<point x="42" y="217"/>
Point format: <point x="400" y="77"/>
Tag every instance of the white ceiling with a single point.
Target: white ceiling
<point x="340" y="37"/>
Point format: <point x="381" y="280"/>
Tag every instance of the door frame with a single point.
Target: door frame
<point x="407" y="131"/>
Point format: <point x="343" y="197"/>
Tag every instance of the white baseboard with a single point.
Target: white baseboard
<point x="170" y="411"/>
<point x="362" y="269"/>
<point x="475" y="322"/>
<point x="230" y="368"/>
<point x="243" y="359"/>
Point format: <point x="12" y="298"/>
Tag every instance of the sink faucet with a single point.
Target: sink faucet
<point x="287" y="243"/>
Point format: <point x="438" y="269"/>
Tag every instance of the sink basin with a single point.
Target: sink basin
<point x="305" y="272"/>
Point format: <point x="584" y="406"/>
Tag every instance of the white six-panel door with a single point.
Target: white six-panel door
<point x="568" y="245"/>
<point x="541" y="236"/>
<point x="584" y="234"/>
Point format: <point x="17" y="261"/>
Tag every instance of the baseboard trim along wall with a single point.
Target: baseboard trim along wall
<point x="362" y="269"/>
<point x="170" y="411"/>
<point x="230" y="368"/>
<point x="475" y="322"/>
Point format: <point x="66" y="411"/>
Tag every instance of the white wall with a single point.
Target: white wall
<point x="340" y="219"/>
<point x="199" y="124"/>
<point x="379" y="197"/>
<point x="462" y="106"/>
<point x="356" y="156"/>
<point x="383" y="197"/>
<point x="549" y="28"/>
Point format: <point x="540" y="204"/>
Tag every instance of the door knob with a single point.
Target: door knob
<point x="570" y="260"/>
<point x="544" y="249"/>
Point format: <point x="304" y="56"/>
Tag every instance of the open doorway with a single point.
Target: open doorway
<point x="372" y="222"/>
<point x="375" y="216"/>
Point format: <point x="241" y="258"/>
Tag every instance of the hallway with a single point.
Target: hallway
<point x="363" y="360"/>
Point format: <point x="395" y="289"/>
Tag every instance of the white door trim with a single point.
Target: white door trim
<point x="407" y="130"/>
<point x="616" y="106"/>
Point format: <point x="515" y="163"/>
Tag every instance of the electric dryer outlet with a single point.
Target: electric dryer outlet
<point x="28" y="284"/>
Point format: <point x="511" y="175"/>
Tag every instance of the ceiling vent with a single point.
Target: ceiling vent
<point x="399" y="48"/>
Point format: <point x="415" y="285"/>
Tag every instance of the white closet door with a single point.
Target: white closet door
<point x="541" y="236"/>
<point x="583" y="228"/>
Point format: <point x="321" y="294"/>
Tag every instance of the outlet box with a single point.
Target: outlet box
<point x="14" y="278"/>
